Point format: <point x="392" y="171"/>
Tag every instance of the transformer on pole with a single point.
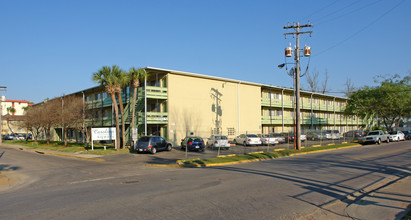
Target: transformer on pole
<point x="296" y="74"/>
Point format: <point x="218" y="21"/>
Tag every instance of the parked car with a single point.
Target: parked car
<point x="152" y="144"/>
<point x="377" y="136"/>
<point x="332" y="134"/>
<point x="407" y="135"/>
<point x="397" y="136"/>
<point x="279" y="137"/>
<point x="355" y="135"/>
<point x="247" y="139"/>
<point x="268" y="139"/>
<point x="289" y="137"/>
<point x="193" y="144"/>
<point x="315" y="135"/>
<point x="14" y="137"/>
<point x="218" y="141"/>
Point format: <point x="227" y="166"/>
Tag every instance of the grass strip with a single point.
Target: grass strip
<point x="79" y="148"/>
<point x="258" y="156"/>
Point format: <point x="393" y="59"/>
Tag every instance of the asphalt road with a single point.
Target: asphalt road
<point x="123" y="188"/>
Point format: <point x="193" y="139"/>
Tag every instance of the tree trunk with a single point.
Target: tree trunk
<point x="123" y="124"/>
<point x="113" y="99"/>
<point x="65" y="137"/>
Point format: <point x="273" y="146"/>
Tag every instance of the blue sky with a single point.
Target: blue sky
<point x="50" y="48"/>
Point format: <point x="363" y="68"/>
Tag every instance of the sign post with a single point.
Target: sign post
<point x="134" y="135"/>
<point x="107" y="134"/>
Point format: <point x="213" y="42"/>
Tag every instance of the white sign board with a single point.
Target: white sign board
<point x="134" y="134"/>
<point x="106" y="134"/>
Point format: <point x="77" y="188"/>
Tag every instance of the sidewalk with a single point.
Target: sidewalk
<point x="389" y="199"/>
<point x="55" y="153"/>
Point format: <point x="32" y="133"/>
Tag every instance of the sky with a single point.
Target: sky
<point x="49" y="48"/>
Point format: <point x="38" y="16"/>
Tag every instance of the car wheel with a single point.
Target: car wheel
<point x="378" y="141"/>
<point x="388" y="140"/>
<point x="245" y="144"/>
<point x="169" y="147"/>
<point x="153" y="150"/>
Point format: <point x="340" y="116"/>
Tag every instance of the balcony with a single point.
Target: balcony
<point x="153" y="92"/>
<point x="153" y="118"/>
<point x="267" y="102"/>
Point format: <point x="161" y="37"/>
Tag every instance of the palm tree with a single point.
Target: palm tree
<point x="135" y="75"/>
<point x="10" y="110"/>
<point x="107" y="77"/>
<point x="121" y="83"/>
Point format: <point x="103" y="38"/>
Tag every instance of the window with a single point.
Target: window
<point x="104" y="95"/>
<point x="279" y="113"/>
<point x="231" y="131"/>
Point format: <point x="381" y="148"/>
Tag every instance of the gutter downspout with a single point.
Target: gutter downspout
<point x="334" y="112"/>
<point x="238" y="107"/>
<point x="145" y="106"/>
<point x="312" y="112"/>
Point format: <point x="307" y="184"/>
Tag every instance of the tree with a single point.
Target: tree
<point x="107" y="78"/>
<point x="324" y="83"/>
<point x="122" y="82"/>
<point x="10" y="110"/>
<point x="390" y="101"/>
<point x="32" y="121"/>
<point x="314" y="82"/>
<point x="49" y="117"/>
<point x="349" y="87"/>
<point x="71" y="114"/>
<point x="135" y="75"/>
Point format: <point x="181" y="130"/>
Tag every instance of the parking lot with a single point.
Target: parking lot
<point x="177" y="153"/>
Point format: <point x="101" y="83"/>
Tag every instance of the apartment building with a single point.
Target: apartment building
<point x="13" y="120"/>
<point x="175" y="104"/>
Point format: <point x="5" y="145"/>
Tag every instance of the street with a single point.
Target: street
<point x="122" y="187"/>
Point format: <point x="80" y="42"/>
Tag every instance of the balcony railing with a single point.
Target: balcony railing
<point x="153" y="118"/>
<point x="153" y="92"/>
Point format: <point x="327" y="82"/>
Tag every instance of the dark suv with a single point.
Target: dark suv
<point x="193" y="143"/>
<point x="152" y="144"/>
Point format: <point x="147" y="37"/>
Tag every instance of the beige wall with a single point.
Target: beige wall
<point x="190" y="106"/>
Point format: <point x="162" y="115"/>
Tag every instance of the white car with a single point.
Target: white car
<point x="397" y="136"/>
<point x="218" y="141"/>
<point x="247" y="139"/>
<point x="268" y="139"/>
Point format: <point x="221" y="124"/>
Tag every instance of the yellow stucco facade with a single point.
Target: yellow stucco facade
<point x="201" y="106"/>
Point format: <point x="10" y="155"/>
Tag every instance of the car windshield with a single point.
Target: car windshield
<point x="252" y="136"/>
<point x="268" y="135"/>
<point x="196" y="139"/>
<point x="392" y="132"/>
<point x="373" y="133"/>
<point x="220" y="137"/>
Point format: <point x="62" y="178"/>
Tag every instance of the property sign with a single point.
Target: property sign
<point x="104" y="134"/>
<point x="108" y="134"/>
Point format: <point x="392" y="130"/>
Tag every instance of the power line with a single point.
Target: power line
<point x="361" y="30"/>
<point x="348" y="13"/>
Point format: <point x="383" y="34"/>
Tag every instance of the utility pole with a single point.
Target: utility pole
<point x="1" y="113"/>
<point x="297" y="27"/>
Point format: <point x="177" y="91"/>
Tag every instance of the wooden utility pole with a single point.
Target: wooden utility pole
<point x="297" y="27"/>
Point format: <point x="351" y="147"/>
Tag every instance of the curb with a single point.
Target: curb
<point x="52" y="153"/>
<point x="63" y="155"/>
<point x="246" y="161"/>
